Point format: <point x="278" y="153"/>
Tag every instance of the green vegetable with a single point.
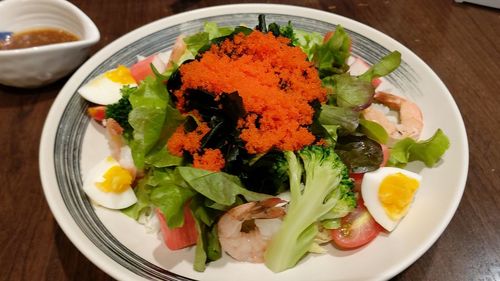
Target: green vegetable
<point x="386" y="65"/>
<point x="143" y="204"/>
<point x="153" y="120"/>
<point x="345" y="118"/>
<point x="212" y="34"/>
<point x="374" y="131"/>
<point x="220" y="187"/>
<point x="326" y="186"/>
<point x="207" y="246"/>
<point x="215" y="31"/>
<point x="428" y="151"/>
<point x="147" y="117"/>
<point x="170" y="196"/>
<point x="288" y="32"/>
<point x="120" y="110"/>
<point x="351" y="92"/>
<point x="307" y="41"/>
<point x="359" y="153"/>
<point x="331" y="57"/>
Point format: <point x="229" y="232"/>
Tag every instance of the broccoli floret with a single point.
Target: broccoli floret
<point x="326" y="189"/>
<point x="119" y="111"/>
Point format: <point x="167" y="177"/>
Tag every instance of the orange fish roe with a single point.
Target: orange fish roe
<point x="190" y="142"/>
<point x="274" y="80"/>
<point x="211" y="160"/>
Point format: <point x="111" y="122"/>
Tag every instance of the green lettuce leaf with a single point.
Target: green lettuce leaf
<point x="142" y="191"/>
<point x="207" y="245"/>
<point x="170" y="195"/>
<point x="219" y="187"/>
<point x="346" y="118"/>
<point x="200" y="41"/>
<point x="428" y="151"/>
<point x="331" y="57"/>
<point x="352" y="92"/>
<point x="374" y="131"/>
<point x="307" y="41"/>
<point x="196" y="41"/>
<point x="214" y="31"/>
<point x="359" y="153"/>
<point x="147" y="117"/>
<point x="154" y="120"/>
<point x="386" y="65"/>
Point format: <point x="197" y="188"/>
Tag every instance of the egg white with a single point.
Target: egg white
<point x="111" y="200"/>
<point x="369" y="191"/>
<point x="102" y="90"/>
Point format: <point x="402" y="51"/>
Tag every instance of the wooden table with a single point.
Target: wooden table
<point x="461" y="43"/>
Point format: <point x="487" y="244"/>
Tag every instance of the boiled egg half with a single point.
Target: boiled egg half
<point x="109" y="185"/>
<point x="105" y="88"/>
<point x="388" y="194"/>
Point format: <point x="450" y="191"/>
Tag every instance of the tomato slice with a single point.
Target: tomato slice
<point x="98" y="113"/>
<point x="357" y="229"/>
<point x="180" y="237"/>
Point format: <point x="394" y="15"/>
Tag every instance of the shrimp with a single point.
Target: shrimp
<point x="119" y="150"/>
<point x="410" y="117"/>
<point x="237" y="240"/>
<point x="177" y="51"/>
<point x="114" y="134"/>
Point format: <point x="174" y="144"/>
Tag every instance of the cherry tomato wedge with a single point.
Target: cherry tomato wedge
<point x="357" y="229"/>
<point x="98" y="113"/>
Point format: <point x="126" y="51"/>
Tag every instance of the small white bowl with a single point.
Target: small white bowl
<point x="38" y="66"/>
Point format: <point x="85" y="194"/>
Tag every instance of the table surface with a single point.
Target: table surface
<point x="460" y="42"/>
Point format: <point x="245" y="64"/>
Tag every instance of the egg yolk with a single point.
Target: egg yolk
<point x="396" y="193"/>
<point x="121" y="75"/>
<point x="116" y="179"/>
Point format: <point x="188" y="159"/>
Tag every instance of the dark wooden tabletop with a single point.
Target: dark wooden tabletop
<point x="460" y="42"/>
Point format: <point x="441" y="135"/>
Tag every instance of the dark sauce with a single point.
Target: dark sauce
<point x="37" y="37"/>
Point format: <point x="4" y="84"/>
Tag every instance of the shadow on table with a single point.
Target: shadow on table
<point x="74" y="264"/>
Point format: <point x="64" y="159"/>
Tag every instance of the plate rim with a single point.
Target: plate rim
<point x="46" y="149"/>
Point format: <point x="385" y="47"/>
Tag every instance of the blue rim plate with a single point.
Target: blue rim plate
<point x="71" y="143"/>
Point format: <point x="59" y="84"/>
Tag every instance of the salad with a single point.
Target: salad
<point x="264" y="144"/>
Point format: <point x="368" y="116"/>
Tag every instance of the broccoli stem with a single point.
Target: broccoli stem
<point x="323" y="190"/>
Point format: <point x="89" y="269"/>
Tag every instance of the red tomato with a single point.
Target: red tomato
<point x="357" y="229"/>
<point x="357" y="177"/>
<point x="98" y="113"/>
<point x="180" y="237"/>
<point x="327" y="37"/>
<point x="376" y="82"/>
<point x="142" y="69"/>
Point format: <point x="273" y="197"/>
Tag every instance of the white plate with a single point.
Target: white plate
<point x="121" y="247"/>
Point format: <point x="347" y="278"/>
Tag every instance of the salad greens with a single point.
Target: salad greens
<point x="317" y="176"/>
<point x="428" y="151"/>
